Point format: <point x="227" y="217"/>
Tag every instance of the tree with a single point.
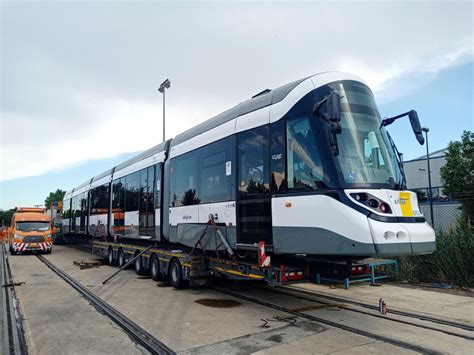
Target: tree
<point x="54" y="196"/>
<point x="6" y="217"/>
<point x="458" y="173"/>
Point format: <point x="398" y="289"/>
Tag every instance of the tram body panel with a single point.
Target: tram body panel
<point x="319" y="225"/>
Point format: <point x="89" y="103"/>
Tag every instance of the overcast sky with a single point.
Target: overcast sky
<point x="79" y="79"/>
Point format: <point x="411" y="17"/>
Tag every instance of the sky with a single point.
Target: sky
<point x="79" y="79"/>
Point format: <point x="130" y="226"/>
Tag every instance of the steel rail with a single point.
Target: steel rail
<point x="295" y="293"/>
<point x="140" y="335"/>
<point x="398" y="343"/>
<point x="13" y="337"/>
<point x="392" y="311"/>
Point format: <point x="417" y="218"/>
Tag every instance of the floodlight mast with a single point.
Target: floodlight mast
<point x="430" y="195"/>
<point x="163" y="86"/>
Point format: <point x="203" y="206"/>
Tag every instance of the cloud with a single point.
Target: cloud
<point x="79" y="79"/>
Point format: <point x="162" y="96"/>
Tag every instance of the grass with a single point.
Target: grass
<point x="451" y="263"/>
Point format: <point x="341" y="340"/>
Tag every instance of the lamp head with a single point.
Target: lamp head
<point x="425" y="129"/>
<point x="164" y="85"/>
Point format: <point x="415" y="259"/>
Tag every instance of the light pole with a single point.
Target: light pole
<point x="426" y="130"/>
<point x="163" y="86"/>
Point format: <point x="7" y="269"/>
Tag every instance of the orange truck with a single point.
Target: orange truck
<point x="30" y="230"/>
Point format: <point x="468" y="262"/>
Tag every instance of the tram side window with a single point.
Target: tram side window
<point x="66" y="208"/>
<point x="216" y="171"/>
<point x="99" y="200"/>
<point x="305" y="170"/>
<point x="183" y="189"/>
<point x="132" y="193"/>
<point x="117" y="196"/>
<point x="75" y="207"/>
<point x="157" y="189"/>
<point x="143" y="189"/>
<point x="278" y="157"/>
<point x="150" y="194"/>
<point x="253" y="161"/>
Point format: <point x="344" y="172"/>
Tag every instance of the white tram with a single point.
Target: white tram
<point x="308" y="168"/>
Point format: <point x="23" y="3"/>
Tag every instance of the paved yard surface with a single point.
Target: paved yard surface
<point x="58" y="320"/>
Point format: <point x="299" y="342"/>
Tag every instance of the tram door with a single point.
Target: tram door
<point x="254" y="217"/>
<point x="146" y="219"/>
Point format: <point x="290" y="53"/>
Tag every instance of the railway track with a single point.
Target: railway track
<point x="307" y="295"/>
<point x="316" y="297"/>
<point x="13" y="339"/>
<point x="352" y="329"/>
<point x="137" y="333"/>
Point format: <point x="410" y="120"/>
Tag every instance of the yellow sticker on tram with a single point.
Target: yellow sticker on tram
<point x="405" y="204"/>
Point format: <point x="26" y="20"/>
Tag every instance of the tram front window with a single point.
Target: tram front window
<point x="365" y="154"/>
<point x="305" y="170"/>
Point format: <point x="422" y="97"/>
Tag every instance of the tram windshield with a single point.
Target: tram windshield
<point x="365" y="156"/>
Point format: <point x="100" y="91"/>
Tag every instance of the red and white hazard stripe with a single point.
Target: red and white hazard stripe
<point x="20" y="247"/>
<point x="45" y="246"/>
<point x="263" y="259"/>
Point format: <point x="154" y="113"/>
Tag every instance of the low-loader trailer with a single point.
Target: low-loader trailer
<point x="184" y="266"/>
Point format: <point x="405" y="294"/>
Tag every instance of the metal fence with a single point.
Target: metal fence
<point x="445" y="215"/>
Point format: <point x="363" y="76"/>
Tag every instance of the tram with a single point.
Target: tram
<point x="307" y="169"/>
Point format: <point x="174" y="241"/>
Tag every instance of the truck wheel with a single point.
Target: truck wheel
<point x="139" y="267"/>
<point x="176" y="274"/>
<point x="12" y="252"/>
<point x="121" y="258"/>
<point x="48" y="251"/>
<point x="155" y="269"/>
<point x="110" y="256"/>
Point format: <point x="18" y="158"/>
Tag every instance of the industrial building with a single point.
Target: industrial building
<point x="445" y="210"/>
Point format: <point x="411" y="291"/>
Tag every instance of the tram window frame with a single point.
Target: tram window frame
<point x="99" y="199"/>
<point x="117" y="194"/>
<point x="151" y="183"/>
<point x="183" y="173"/>
<point x="278" y="162"/>
<point x="132" y="185"/>
<point x="213" y="163"/>
<point x="143" y="189"/>
<point x="262" y="152"/>
<point x="157" y="185"/>
<point x="66" y="208"/>
<point x="291" y="167"/>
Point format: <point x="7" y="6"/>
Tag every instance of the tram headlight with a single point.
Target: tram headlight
<point x="371" y="202"/>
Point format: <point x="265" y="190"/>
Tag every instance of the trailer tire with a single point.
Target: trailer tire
<point x="155" y="268"/>
<point x="110" y="257"/>
<point x="121" y="258"/>
<point x="176" y="274"/>
<point x="138" y="265"/>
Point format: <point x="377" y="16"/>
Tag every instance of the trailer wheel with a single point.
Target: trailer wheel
<point x="155" y="269"/>
<point x="139" y="267"/>
<point x="121" y="258"/>
<point x="110" y="256"/>
<point x="176" y="274"/>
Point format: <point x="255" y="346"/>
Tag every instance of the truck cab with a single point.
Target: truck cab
<point x="30" y="230"/>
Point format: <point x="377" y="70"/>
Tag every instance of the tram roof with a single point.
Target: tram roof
<point x="143" y="155"/>
<point x="261" y="100"/>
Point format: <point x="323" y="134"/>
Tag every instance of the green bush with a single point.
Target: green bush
<point x="451" y="263"/>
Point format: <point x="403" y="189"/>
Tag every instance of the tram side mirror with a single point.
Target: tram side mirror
<point x="415" y="125"/>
